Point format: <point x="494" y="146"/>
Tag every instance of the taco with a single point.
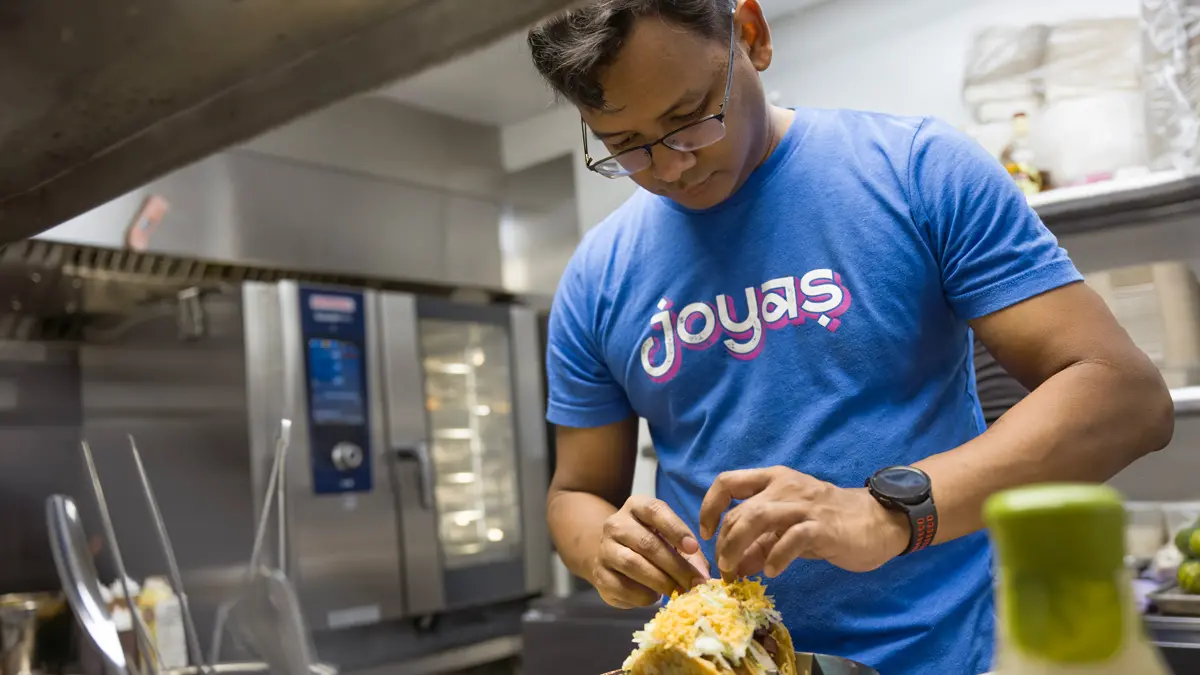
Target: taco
<point x="717" y="628"/>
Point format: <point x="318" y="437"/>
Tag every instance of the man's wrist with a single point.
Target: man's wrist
<point x="588" y="568"/>
<point x="897" y="530"/>
<point x="908" y="492"/>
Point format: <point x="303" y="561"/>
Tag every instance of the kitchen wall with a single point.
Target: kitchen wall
<point x="899" y="57"/>
<point x="556" y="133"/>
<point x="389" y="140"/>
<point x="367" y="186"/>
<point x="539" y="228"/>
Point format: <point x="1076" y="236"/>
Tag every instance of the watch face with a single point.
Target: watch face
<point x="902" y="483"/>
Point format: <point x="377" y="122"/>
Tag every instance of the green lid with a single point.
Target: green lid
<point x="1075" y="529"/>
<point x="1061" y="549"/>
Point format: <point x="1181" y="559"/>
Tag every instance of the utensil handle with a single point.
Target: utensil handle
<point x="141" y="632"/>
<point x="273" y="485"/>
<point x="164" y="540"/>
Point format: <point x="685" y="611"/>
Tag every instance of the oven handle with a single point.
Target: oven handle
<point x="419" y="453"/>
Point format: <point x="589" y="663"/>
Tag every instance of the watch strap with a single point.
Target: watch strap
<point x="923" y="524"/>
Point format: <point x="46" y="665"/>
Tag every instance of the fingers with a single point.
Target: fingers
<point x="657" y="562"/>
<point x="698" y="561"/>
<point x="756" y="556"/>
<point x="749" y="522"/>
<point x="622" y="592"/>
<point x="727" y="487"/>
<point x="648" y="537"/>
<point x="656" y="515"/>
<point x="647" y="551"/>
<point x="617" y="557"/>
<point x="804" y="540"/>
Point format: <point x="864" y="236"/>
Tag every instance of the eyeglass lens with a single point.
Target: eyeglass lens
<point x="687" y="139"/>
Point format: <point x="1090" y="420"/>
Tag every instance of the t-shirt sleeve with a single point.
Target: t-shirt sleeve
<point x="992" y="248"/>
<point x="583" y="392"/>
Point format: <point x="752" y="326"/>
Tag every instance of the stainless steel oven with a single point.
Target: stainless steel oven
<point x="417" y="469"/>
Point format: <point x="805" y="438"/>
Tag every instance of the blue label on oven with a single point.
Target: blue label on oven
<point x="333" y="324"/>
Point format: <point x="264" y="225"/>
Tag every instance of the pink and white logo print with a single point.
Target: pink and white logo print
<point x="819" y="296"/>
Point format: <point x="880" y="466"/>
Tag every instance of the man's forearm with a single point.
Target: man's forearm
<point x="576" y="522"/>
<point x="1085" y="423"/>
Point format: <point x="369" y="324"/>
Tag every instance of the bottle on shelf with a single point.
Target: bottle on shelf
<point x="1064" y="595"/>
<point x="1020" y="160"/>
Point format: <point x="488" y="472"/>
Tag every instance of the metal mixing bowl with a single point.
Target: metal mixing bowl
<point x="818" y="664"/>
<point x="824" y="664"/>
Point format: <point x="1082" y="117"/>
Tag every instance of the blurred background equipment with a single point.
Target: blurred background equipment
<point x="411" y="496"/>
<point x="1068" y="96"/>
<point x="34" y="633"/>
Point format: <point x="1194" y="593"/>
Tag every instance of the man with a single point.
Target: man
<point x="790" y="301"/>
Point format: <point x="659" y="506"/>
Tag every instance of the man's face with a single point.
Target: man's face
<point x="664" y="78"/>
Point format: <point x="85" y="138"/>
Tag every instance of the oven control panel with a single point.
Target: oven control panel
<point x="335" y="363"/>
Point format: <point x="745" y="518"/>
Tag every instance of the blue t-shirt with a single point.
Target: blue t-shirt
<point x="816" y="319"/>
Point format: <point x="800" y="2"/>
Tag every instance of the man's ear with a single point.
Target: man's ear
<point x="754" y="33"/>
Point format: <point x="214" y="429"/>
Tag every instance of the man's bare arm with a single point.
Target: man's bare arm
<point x="633" y="553"/>
<point x="1097" y="404"/>
<point x="593" y="477"/>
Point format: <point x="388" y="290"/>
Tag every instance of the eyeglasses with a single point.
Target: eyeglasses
<point x="691" y="137"/>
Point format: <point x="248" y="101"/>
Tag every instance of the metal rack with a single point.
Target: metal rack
<point x="266" y="615"/>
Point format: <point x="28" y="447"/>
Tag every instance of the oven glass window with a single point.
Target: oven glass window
<point x="468" y="398"/>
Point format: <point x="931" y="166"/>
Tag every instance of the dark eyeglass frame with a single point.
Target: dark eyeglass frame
<point x="665" y="139"/>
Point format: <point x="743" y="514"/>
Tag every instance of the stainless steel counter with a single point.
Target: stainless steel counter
<point x="1179" y="639"/>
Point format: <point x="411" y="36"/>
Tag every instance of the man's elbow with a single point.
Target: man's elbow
<point x="553" y="495"/>
<point x="1157" y="418"/>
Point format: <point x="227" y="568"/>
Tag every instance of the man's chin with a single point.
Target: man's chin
<point x="706" y="195"/>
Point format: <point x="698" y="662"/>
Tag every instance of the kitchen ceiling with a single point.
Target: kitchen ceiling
<point x="497" y="85"/>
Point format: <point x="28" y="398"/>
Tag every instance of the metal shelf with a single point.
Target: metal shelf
<point x="1187" y="400"/>
<point x="1148" y="199"/>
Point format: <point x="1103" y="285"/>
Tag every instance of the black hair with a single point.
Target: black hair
<point x="572" y="49"/>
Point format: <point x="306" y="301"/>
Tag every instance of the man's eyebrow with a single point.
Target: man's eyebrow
<point x="689" y="97"/>
<point x="605" y="135"/>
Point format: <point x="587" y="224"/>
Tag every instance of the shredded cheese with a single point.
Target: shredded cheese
<point x="716" y="620"/>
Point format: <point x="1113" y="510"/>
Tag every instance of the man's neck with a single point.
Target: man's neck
<point x="779" y="120"/>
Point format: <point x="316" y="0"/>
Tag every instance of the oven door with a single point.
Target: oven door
<point x="469" y="487"/>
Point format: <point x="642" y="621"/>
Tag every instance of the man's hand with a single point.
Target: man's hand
<point x="787" y="515"/>
<point x="646" y="552"/>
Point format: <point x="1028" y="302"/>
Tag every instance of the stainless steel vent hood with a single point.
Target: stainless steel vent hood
<point x="98" y="98"/>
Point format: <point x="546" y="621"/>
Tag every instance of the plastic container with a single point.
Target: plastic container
<point x="1180" y="515"/>
<point x="123" y="619"/>
<point x="163" y="614"/>
<point x="1145" y="529"/>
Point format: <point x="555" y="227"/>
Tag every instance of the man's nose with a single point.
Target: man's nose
<point x="669" y="164"/>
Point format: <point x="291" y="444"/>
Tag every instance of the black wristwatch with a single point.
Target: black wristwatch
<point x="907" y="489"/>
